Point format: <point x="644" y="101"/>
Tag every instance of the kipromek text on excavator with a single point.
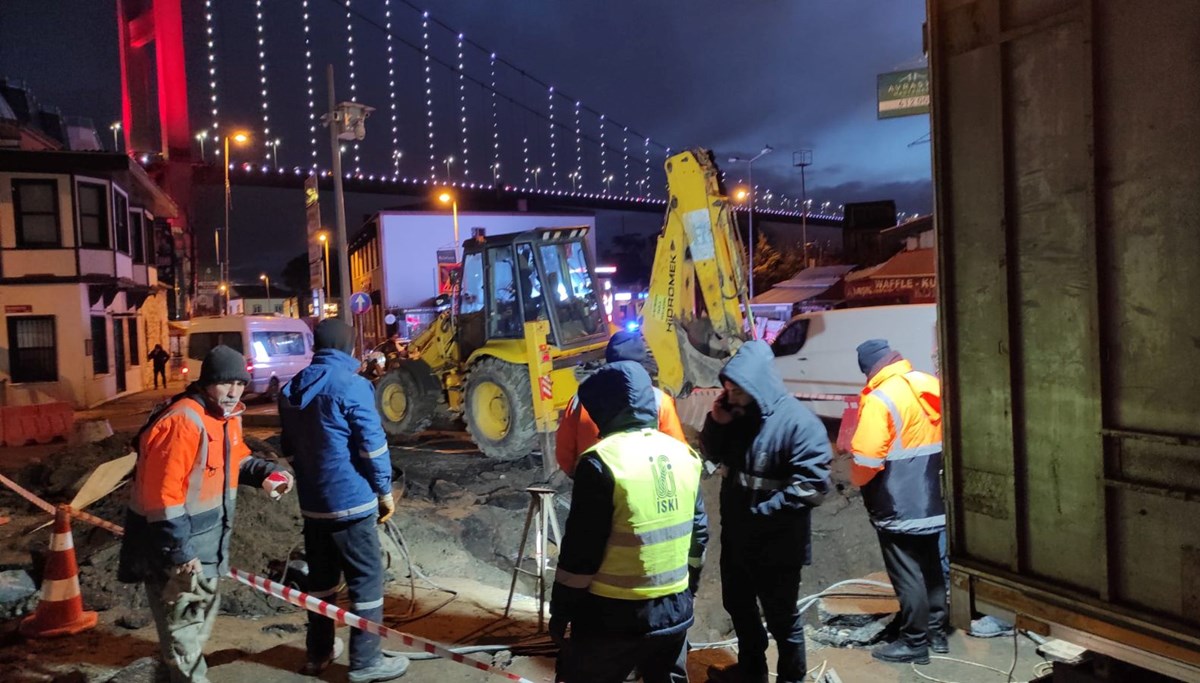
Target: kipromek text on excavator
<point x="526" y="324"/>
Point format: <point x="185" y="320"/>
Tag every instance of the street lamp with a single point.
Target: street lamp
<point x="202" y="136"/>
<point x="116" y="131"/>
<point x="264" y="278"/>
<point x="449" y="160"/>
<point x="803" y="159"/>
<point x="324" y="238"/>
<point x="767" y="149"/>
<point x="608" y="183"/>
<point x="240" y="138"/>
<point x="574" y="176"/>
<point x="447" y="198"/>
<point x="224" y="298"/>
<point x="346" y="121"/>
<point x="274" y="145"/>
<point x="741" y="194"/>
<point x="496" y="173"/>
<point x="536" y="171"/>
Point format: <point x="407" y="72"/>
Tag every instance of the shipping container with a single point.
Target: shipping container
<point x="1067" y="170"/>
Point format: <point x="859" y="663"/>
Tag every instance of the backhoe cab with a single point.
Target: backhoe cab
<point x="525" y="315"/>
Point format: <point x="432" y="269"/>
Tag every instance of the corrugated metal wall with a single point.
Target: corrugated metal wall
<point x="1067" y="162"/>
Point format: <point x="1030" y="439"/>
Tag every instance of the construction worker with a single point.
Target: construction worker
<point x="897" y="451"/>
<point x="191" y="459"/>
<point x="774" y="455"/>
<point x="634" y="542"/>
<point x="334" y="439"/>
<point x="576" y="430"/>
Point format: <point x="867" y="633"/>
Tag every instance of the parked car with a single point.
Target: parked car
<point x="275" y="348"/>
<point x="815" y="352"/>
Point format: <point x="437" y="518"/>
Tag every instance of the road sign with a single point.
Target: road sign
<point x="903" y="93"/>
<point x="360" y="302"/>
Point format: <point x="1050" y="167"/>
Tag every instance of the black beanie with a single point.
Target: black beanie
<point x="871" y="352"/>
<point x="332" y="333"/>
<point x="223" y="364"/>
<point x="626" y="345"/>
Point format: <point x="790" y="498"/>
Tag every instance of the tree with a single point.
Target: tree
<point x="772" y="266"/>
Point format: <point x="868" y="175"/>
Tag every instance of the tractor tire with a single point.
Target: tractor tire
<point x="405" y="404"/>
<point x="499" y="409"/>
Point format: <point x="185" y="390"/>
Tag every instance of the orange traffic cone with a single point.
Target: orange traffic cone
<point x="60" y="612"/>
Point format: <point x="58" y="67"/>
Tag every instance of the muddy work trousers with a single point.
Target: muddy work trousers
<point x="914" y="566"/>
<point x="184" y="609"/>
<point x="610" y="659"/>
<point x="744" y="585"/>
<point x="350" y="549"/>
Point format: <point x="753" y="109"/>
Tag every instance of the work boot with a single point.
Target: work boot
<point x="938" y="642"/>
<point x="388" y="666"/>
<point x="314" y="667"/>
<point x="901" y="652"/>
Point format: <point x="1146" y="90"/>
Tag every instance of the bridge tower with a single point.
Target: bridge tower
<point x="143" y="25"/>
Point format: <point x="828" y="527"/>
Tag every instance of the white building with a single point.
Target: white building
<point x="395" y="258"/>
<point x="78" y="285"/>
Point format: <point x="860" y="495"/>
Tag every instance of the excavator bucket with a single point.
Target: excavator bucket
<point x="694" y="318"/>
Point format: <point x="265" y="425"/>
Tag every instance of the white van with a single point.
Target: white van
<point x="815" y="353"/>
<point x="275" y="348"/>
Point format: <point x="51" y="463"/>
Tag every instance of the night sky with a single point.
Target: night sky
<point x="731" y="76"/>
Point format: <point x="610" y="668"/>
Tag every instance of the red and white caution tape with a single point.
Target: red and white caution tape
<point x="78" y="514"/>
<point x="848" y="398"/>
<point x="346" y="618"/>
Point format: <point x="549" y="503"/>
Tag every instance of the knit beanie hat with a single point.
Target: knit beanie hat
<point x="332" y="333"/>
<point x="871" y="352"/>
<point x="223" y="364"/>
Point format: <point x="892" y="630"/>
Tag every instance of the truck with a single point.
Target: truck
<point x="1065" y="144"/>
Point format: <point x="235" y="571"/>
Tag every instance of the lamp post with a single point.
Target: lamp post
<point x="574" y="176"/>
<point x="201" y="137"/>
<point x="224" y="289"/>
<point x="274" y="144"/>
<point x="447" y="198"/>
<point x="608" y="183"/>
<point x="803" y="159"/>
<point x="267" y="280"/>
<point x="536" y="171"/>
<point x="767" y="149"/>
<point x="239" y="138"/>
<point x="449" y="160"/>
<point x="496" y="174"/>
<point x="324" y="237"/>
<point x="346" y="121"/>
<point x="116" y="131"/>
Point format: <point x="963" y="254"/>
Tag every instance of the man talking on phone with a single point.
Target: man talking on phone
<point x="774" y="455"/>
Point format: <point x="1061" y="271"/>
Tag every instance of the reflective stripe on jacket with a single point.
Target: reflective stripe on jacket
<point x="897" y="450"/>
<point x="577" y="432"/>
<point x="656" y="482"/>
<point x="184" y="490"/>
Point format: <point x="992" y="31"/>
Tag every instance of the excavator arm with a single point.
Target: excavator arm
<point x="695" y="314"/>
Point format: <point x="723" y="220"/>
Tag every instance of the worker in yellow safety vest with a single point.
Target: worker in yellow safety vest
<point x="897" y="451"/>
<point x="634" y="541"/>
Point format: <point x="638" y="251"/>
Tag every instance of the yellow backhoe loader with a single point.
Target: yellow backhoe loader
<point x="526" y="323"/>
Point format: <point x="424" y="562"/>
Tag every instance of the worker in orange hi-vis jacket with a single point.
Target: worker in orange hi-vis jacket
<point x="576" y="430"/>
<point x="191" y="457"/>
<point x="897" y="451"/>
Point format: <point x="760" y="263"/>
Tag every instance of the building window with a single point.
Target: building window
<point x="99" y="345"/>
<point x="93" y="216"/>
<point x="258" y="308"/>
<point x="137" y="225"/>
<point x="121" y="221"/>
<point x="32" y="351"/>
<point x="135" y="356"/>
<point x="35" y="206"/>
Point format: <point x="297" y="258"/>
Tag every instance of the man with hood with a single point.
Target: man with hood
<point x="334" y="439"/>
<point x="897" y="451"/>
<point x="634" y="542"/>
<point x="774" y="455"/>
<point x="577" y="432"/>
<point x="191" y="458"/>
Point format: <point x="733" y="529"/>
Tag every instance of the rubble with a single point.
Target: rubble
<point x="18" y="593"/>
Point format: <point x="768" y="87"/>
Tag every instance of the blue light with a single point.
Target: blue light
<point x="632" y="326"/>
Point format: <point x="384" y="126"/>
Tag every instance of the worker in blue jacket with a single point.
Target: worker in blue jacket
<point x="774" y="455"/>
<point x="333" y="437"/>
<point x="634" y="541"/>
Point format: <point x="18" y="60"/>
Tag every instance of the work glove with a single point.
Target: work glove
<point x="693" y="580"/>
<point x="387" y="507"/>
<point x="278" y="483"/>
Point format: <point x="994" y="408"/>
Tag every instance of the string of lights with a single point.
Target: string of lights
<point x="353" y="83"/>
<point x="495" y="123"/>
<point x="392" y="104"/>
<point x="462" y="108"/>
<point x="210" y="35"/>
<point x="262" y="74"/>
<point x="308" y="77"/>
<point x="603" y="159"/>
<point x="625" y="152"/>
<point x="428" y="94"/>
<point x="553" y="151"/>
